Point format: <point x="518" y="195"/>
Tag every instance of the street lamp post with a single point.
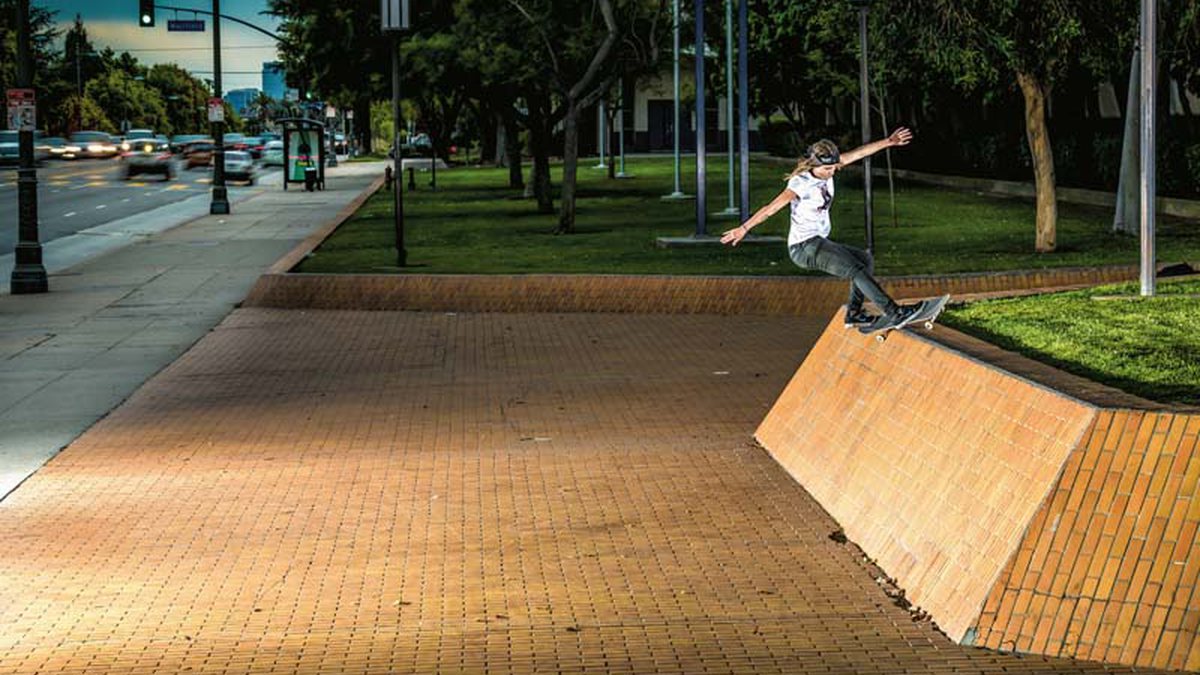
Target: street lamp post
<point x="1148" y="95"/>
<point x="865" y="115"/>
<point x="701" y="169"/>
<point x="731" y="211"/>
<point x="744" y="107"/>
<point x="220" y="197"/>
<point x="678" y="193"/>
<point x="28" y="275"/>
<point x="621" y="130"/>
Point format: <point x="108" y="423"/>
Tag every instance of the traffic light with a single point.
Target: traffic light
<point x="146" y="13"/>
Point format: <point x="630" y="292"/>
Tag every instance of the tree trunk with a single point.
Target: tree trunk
<point x="566" y="216"/>
<point x="488" y="135"/>
<point x="512" y="147"/>
<point x="539" y="140"/>
<point x="1043" y="160"/>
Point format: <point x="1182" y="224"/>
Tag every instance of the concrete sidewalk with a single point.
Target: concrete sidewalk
<point x="110" y="322"/>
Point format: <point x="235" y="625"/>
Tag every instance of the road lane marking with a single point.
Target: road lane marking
<point x="102" y="206"/>
<point x="125" y="200"/>
<point x="68" y="215"/>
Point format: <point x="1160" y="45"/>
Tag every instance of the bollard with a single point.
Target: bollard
<point x="412" y="181"/>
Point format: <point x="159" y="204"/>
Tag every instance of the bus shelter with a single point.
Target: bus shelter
<point x="303" y="152"/>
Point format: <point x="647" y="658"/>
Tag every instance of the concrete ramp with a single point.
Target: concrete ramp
<point x="977" y="490"/>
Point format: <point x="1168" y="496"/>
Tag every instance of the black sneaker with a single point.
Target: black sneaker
<point x="859" y="317"/>
<point x="895" y="316"/>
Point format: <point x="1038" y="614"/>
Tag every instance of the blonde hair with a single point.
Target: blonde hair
<point x="809" y="160"/>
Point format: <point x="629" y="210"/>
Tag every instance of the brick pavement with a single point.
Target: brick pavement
<point x="328" y="492"/>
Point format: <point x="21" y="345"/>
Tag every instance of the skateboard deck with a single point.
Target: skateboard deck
<point x="926" y="314"/>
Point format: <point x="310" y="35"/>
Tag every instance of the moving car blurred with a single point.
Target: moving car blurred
<point x="10" y="148"/>
<point x="239" y="166"/>
<point x="54" y="146"/>
<point x="150" y="156"/>
<point x="178" y="141"/>
<point x="91" y="144"/>
<point x="198" y="153"/>
<point x="133" y="136"/>
<point x="254" y="146"/>
<point x="273" y="153"/>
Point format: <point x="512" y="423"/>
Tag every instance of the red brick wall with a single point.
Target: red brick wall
<point x="1017" y="516"/>
<point x="933" y="463"/>
<point x="1110" y="568"/>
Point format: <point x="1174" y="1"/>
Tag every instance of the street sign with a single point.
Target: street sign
<point x="216" y="110"/>
<point x="22" y="109"/>
<point x="185" y="25"/>
<point x="393" y="14"/>
<point x="349" y="114"/>
<point x="330" y="111"/>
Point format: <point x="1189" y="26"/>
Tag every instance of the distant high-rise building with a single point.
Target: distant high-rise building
<point x="240" y="99"/>
<point x="274" y="81"/>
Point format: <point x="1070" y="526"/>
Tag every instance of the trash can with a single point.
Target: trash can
<point x="310" y="178"/>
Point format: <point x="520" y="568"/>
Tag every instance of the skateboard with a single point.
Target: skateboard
<point x="926" y="314"/>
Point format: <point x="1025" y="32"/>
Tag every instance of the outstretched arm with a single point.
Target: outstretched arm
<point x="738" y="233"/>
<point x="901" y="136"/>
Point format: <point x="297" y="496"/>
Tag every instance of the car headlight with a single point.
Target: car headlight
<point x="72" y="148"/>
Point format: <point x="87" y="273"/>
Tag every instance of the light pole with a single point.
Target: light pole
<point x="744" y="107"/>
<point x="701" y="169"/>
<point x="1149" y="95"/>
<point x="28" y="275"/>
<point x="678" y="193"/>
<point x="621" y="131"/>
<point x="730" y="211"/>
<point x="220" y="197"/>
<point x="865" y="115"/>
<point x="602" y="114"/>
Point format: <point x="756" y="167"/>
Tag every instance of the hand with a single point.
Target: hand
<point x="732" y="237"/>
<point x="901" y="136"/>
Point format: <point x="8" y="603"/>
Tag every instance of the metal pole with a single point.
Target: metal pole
<point x="1149" y="95"/>
<point x="220" y="198"/>
<point x="678" y="193"/>
<point x="28" y="275"/>
<point x="865" y="113"/>
<point x="730" y="210"/>
<point x="621" y="131"/>
<point x="600" y="137"/>
<point x="397" y="162"/>
<point x="701" y="169"/>
<point x="744" y="108"/>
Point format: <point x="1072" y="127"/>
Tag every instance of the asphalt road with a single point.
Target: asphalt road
<point x="76" y="195"/>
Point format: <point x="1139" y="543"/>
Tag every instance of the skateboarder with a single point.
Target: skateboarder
<point x="809" y="192"/>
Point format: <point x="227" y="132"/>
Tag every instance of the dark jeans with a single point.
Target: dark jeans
<point x="846" y="262"/>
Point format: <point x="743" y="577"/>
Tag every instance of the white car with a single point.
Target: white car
<point x="239" y="166"/>
<point x="273" y="154"/>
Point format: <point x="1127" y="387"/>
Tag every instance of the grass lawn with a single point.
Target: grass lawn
<point x="475" y="224"/>
<point x="1145" y="346"/>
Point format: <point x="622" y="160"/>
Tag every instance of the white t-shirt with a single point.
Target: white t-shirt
<point x="810" y="207"/>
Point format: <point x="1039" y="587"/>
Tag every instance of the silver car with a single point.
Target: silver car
<point x="239" y="166"/>
<point x="149" y="156"/>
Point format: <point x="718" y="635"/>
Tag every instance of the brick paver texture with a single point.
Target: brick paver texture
<point x="406" y="492"/>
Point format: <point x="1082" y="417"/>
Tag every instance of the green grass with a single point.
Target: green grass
<point x="475" y="224"/>
<point x="1145" y="346"/>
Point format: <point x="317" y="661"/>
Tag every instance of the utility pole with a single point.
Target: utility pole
<point x="744" y="108"/>
<point x="28" y="275"/>
<point x="220" y="197"/>
<point x="678" y="193"/>
<point x="701" y="169"/>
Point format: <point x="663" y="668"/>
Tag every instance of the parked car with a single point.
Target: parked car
<point x="273" y="154"/>
<point x="150" y="156"/>
<point x="239" y="166"/>
<point x="198" y="153"/>
<point x="92" y="144"/>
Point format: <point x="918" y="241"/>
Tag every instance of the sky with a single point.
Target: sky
<point x="113" y="23"/>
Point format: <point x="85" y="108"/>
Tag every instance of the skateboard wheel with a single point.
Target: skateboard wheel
<point x="928" y="325"/>
<point x="880" y="339"/>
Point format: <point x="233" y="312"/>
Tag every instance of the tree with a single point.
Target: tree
<point x="577" y="44"/>
<point x="42" y="37"/>
<point x="982" y="44"/>
<point x="126" y="100"/>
